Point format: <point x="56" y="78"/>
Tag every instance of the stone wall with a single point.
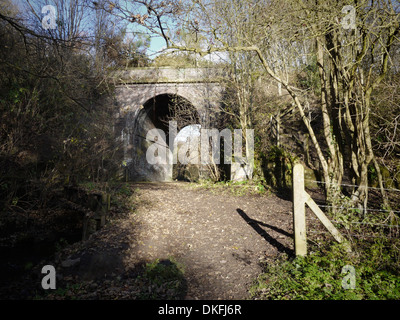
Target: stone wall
<point x="136" y="87"/>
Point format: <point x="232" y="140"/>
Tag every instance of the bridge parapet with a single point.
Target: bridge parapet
<point x="168" y="75"/>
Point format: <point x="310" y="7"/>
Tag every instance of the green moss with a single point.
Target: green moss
<point x="278" y="165"/>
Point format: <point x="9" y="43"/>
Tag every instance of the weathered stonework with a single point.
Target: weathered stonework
<point x="134" y="88"/>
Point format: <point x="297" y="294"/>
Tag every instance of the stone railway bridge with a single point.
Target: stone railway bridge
<point x="144" y="98"/>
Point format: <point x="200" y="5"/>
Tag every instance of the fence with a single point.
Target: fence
<point x="274" y="124"/>
<point x="301" y="198"/>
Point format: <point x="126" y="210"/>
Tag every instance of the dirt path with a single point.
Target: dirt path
<point x="219" y="239"/>
<point x="216" y="242"/>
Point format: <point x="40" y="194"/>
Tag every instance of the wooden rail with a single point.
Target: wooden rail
<point x="300" y="199"/>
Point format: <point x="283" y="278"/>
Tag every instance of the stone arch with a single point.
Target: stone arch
<point x="166" y="106"/>
<point x="186" y="91"/>
<point x="134" y="88"/>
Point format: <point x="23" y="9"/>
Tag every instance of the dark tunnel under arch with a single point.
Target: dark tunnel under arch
<point x="164" y="107"/>
<point x="156" y="113"/>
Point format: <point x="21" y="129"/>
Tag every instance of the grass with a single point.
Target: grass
<point x="162" y="271"/>
<point x="239" y="188"/>
<point x="320" y="275"/>
<point x="163" y="279"/>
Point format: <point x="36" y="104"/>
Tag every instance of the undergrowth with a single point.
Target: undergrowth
<point x="239" y="188"/>
<point x="321" y="275"/>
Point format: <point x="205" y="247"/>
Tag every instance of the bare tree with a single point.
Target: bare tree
<point x="351" y="62"/>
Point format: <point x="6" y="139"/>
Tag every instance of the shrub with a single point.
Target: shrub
<point x="318" y="276"/>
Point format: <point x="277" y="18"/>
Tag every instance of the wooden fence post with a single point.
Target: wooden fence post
<point x="300" y="199"/>
<point x="299" y="211"/>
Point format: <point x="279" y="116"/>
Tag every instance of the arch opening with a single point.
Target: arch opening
<point x="170" y="107"/>
<point x="156" y="113"/>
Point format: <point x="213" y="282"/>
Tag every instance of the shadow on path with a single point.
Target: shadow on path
<point x="256" y="226"/>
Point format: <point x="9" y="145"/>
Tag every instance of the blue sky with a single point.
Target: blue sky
<point x="157" y="42"/>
